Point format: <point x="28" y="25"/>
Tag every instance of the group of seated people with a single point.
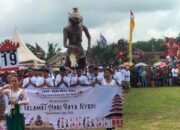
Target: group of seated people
<point x="72" y="78"/>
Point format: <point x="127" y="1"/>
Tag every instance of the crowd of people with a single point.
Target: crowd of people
<point x="67" y="77"/>
<point x="154" y="76"/>
<point x="13" y="85"/>
<point x="94" y="76"/>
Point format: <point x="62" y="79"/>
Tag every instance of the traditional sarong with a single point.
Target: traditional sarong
<point x="16" y="120"/>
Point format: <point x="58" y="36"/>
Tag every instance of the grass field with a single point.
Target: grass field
<point x="152" y="109"/>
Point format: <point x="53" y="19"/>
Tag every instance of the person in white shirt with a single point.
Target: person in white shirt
<point x="79" y="79"/>
<point x="89" y="73"/>
<point x="123" y="71"/>
<point x="108" y="81"/>
<point x="52" y="75"/>
<point x="101" y="71"/>
<point x="174" y="72"/>
<point x="17" y="98"/>
<point x="39" y="77"/>
<point x="62" y="80"/>
<point x="117" y="76"/>
<point x="45" y="81"/>
<point x="127" y="76"/>
<point x="5" y="100"/>
<point x="96" y="78"/>
<point x="30" y="81"/>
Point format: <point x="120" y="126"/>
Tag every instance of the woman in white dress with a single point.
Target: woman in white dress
<point x="108" y="81"/>
<point x="17" y="98"/>
<point x="108" y="78"/>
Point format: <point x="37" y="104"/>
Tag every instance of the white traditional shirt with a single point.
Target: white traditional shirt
<point x="112" y="83"/>
<point x="83" y="79"/>
<point x="89" y="76"/>
<point x="39" y="81"/>
<point x="174" y="72"/>
<point x="27" y="80"/>
<point x="58" y="80"/>
<point x="99" y="78"/>
<point x="118" y="77"/>
<point x="22" y="100"/>
<point x="123" y="71"/>
<point x="127" y="75"/>
<point x="101" y="74"/>
<point x="49" y="80"/>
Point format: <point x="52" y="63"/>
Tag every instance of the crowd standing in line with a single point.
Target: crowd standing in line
<point x="12" y="85"/>
<point x="96" y="75"/>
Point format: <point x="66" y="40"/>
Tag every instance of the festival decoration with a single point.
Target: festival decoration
<point x="9" y="56"/>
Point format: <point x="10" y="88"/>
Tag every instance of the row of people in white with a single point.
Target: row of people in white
<point x="37" y="81"/>
<point x="93" y="77"/>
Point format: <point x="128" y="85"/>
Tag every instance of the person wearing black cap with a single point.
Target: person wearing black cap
<point x="62" y="80"/>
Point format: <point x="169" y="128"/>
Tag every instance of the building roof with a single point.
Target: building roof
<point x="57" y="59"/>
<point x="149" y="55"/>
<point x="24" y="54"/>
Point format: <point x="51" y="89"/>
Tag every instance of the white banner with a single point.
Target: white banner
<point x="74" y="108"/>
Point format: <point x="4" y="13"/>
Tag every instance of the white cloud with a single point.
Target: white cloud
<point x="43" y="20"/>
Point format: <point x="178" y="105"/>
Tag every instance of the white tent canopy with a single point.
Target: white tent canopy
<point x="24" y="54"/>
<point x="141" y="64"/>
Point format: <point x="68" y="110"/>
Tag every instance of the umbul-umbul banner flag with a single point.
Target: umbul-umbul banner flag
<point x="132" y="24"/>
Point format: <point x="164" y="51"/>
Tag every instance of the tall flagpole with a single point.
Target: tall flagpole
<point x="132" y="24"/>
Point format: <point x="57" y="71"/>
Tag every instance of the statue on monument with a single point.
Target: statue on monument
<point x="172" y="49"/>
<point x="171" y="46"/>
<point x="76" y="56"/>
<point x="122" y="51"/>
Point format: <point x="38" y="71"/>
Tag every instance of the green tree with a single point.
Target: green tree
<point x="150" y="45"/>
<point x="34" y="51"/>
<point x="153" y="60"/>
<point x="52" y="50"/>
<point x="31" y="48"/>
<point x="178" y="37"/>
<point x="104" y="55"/>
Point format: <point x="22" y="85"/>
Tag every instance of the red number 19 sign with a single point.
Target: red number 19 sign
<point x="9" y="56"/>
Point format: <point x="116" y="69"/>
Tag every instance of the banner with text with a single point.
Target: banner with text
<point x="74" y="108"/>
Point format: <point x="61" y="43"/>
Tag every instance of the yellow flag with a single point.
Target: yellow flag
<point x="132" y="24"/>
